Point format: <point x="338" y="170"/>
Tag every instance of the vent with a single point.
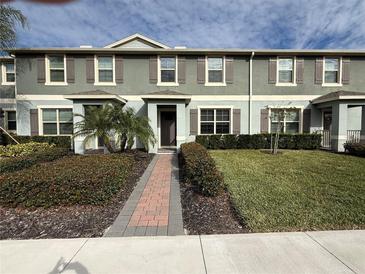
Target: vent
<point x="86" y="46"/>
<point x="180" y="47"/>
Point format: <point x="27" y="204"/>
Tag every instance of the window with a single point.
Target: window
<point x="289" y="120"/>
<point x="331" y="71"/>
<point x="105" y="69"/>
<point x="57" y="121"/>
<point x="286" y="71"/>
<point x="11" y="120"/>
<point x="215" y="70"/>
<point x="56" y="68"/>
<point x="8" y="74"/>
<point x="168" y="69"/>
<point x="215" y="121"/>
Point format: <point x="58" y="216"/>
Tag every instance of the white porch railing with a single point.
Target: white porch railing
<point x="326" y="138"/>
<point x="353" y="136"/>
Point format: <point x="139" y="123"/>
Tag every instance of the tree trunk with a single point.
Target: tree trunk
<point x="123" y="141"/>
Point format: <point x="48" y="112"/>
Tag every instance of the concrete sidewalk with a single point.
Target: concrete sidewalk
<point x="297" y="252"/>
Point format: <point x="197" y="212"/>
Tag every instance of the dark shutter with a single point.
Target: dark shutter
<point x="118" y="69"/>
<point x="300" y="71"/>
<point x="236" y="121"/>
<point x="306" y="120"/>
<point x="41" y="69"/>
<point x="346" y="71"/>
<point x="264" y="120"/>
<point x="229" y="70"/>
<point x="201" y="70"/>
<point x="193" y="122"/>
<point x="153" y="69"/>
<point x="34" y="129"/>
<point x="318" y="78"/>
<point x="90" y="69"/>
<point x="272" y="71"/>
<point x="70" y="69"/>
<point x="181" y="70"/>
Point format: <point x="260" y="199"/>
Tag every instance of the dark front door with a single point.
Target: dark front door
<point x="168" y="128"/>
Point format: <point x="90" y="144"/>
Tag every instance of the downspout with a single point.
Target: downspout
<point x="250" y="96"/>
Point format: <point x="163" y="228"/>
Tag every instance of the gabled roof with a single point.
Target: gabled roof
<point x="127" y="42"/>
<point x="339" y="95"/>
<point x="94" y="94"/>
<point x="167" y="94"/>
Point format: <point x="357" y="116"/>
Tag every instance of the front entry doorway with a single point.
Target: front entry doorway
<point x="168" y="128"/>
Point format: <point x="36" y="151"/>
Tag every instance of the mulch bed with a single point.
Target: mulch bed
<point x="69" y="221"/>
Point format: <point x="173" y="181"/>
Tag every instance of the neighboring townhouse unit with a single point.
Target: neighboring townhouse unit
<point x="186" y="92"/>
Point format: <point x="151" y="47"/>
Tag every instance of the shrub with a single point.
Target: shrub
<point x="24" y="149"/>
<point x="58" y="141"/>
<point x="72" y="180"/>
<point x="355" y="149"/>
<point x="203" y="140"/>
<point x="229" y="141"/>
<point x="215" y="141"/>
<point x="200" y="169"/>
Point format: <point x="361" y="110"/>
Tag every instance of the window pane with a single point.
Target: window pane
<point x="50" y="128"/>
<point x="286" y="64"/>
<point x="9" y="68"/>
<point x="66" y="128"/>
<point x="168" y="62"/>
<point x="49" y="115"/>
<point x="12" y="115"/>
<point x="207" y="115"/>
<point x="274" y="127"/>
<point x="222" y="128"/>
<point x="285" y="76"/>
<point x="10" y="77"/>
<point x="105" y="76"/>
<point x="292" y="128"/>
<point x="330" y="77"/>
<point x="57" y="76"/>
<point x="331" y="64"/>
<point x="215" y="76"/>
<point x="11" y="125"/>
<point x="277" y="114"/>
<point x="207" y="128"/>
<point x="222" y="114"/>
<point x="56" y="62"/>
<point x="292" y="115"/>
<point x="105" y="62"/>
<point x="215" y="63"/>
<point x="167" y="76"/>
<point x="65" y="115"/>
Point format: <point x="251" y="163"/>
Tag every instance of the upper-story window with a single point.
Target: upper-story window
<point x="332" y="71"/>
<point x="168" y="70"/>
<point x="56" y="70"/>
<point x="8" y="74"/>
<point x="286" y="70"/>
<point x="215" y="70"/>
<point x="105" y="70"/>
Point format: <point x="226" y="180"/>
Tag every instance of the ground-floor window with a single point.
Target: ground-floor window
<point x="10" y="118"/>
<point x="215" y="121"/>
<point x="287" y="119"/>
<point x="57" y="121"/>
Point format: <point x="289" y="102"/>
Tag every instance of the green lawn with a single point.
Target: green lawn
<point x="296" y="190"/>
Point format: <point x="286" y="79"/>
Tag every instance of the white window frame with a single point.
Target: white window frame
<point x="6" y="110"/>
<point x="300" y="108"/>
<point x="281" y="84"/>
<point x="215" y="84"/>
<point x="40" y="118"/>
<point x="4" y="72"/>
<point x="48" y="71"/>
<point x="96" y="70"/>
<point x="339" y="83"/>
<point x="170" y="84"/>
<point x="215" y="121"/>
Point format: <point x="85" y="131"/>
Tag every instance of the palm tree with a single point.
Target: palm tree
<point x="9" y="18"/>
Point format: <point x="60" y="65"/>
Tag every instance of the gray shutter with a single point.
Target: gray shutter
<point x="34" y="130"/>
<point x="229" y="70"/>
<point x="318" y="71"/>
<point x="272" y="70"/>
<point x="181" y="70"/>
<point x="70" y="69"/>
<point x="300" y="71"/>
<point x="345" y="71"/>
<point x="41" y="69"/>
<point x="193" y="122"/>
<point x="90" y="69"/>
<point x="236" y="121"/>
<point x="119" y="69"/>
<point x="153" y="69"/>
<point x="264" y="120"/>
<point x="306" y="120"/>
<point x="201" y="70"/>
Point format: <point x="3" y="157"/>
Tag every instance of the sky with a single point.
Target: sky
<point x="312" y="24"/>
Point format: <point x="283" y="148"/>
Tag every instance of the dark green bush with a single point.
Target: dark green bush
<point x="59" y="141"/>
<point x="203" y="140"/>
<point x="355" y="149"/>
<point x="215" y="141"/>
<point x="229" y="141"/>
<point x="200" y="169"/>
<point x="83" y="180"/>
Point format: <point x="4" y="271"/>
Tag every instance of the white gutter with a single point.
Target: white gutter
<point x="250" y="96"/>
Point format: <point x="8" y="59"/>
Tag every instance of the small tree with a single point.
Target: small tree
<point x="278" y="116"/>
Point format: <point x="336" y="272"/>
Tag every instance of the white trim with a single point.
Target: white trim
<point x="40" y="118"/>
<point x="48" y="71"/>
<point x="133" y="37"/>
<point x="344" y="97"/>
<point x="215" y="84"/>
<point x="96" y="96"/>
<point x="214" y="107"/>
<point x="7" y="101"/>
<point x="300" y="108"/>
<point x="169" y="84"/>
<point x="96" y="70"/>
<point x="291" y="84"/>
<point x="3" y="75"/>
<point x="339" y="83"/>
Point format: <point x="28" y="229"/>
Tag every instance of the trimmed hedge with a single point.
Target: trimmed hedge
<point x="259" y="141"/>
<point x="82" y="180"/>
<point x="355" y="149"/>
<point x="24" y="149"/>
<point x="200" y="169"/>
<point x="59" y="141"/>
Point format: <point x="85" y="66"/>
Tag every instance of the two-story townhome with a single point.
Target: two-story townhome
<point x="188" y="91"/>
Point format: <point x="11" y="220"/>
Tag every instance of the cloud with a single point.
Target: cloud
<point x="203" y="23"/>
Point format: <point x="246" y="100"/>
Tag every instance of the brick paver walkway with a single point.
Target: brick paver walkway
<point x="154" y="207"/>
